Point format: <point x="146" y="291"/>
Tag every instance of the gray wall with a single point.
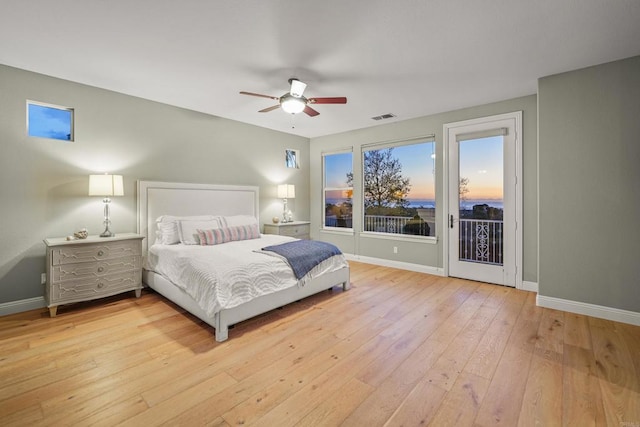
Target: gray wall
<point x="44" y="183"/>
<point x="427" y="253"/>
<point x="589" y="189"/>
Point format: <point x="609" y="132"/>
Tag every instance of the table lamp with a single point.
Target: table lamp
<point x="106" y="186"/>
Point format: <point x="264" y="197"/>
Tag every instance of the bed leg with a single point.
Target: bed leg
<point x="346" y="286"/>
<point x="222" y="334"/>
<point x="222" y="329"/>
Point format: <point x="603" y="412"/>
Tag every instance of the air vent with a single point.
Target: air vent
<point x="384" y="116"/>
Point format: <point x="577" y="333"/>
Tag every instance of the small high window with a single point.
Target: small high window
<point x="49" y="121"/>
<point x="291" y="158"/>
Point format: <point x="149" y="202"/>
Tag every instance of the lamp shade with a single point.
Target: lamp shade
<point x="287" y="191"/>
<point x="106" y="185"/>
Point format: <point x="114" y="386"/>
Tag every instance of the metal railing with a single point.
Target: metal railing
<point x="481" y="241"/>
<point x="384" y="224"/>
<point x="394" y="225"/>
<point x="340" y="222"/>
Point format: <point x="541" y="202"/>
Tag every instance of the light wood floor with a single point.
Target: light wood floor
<point x="398" y="349"/>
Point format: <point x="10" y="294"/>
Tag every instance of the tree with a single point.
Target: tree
<point x="463" y="189"/>
<point x="384" y="186"/>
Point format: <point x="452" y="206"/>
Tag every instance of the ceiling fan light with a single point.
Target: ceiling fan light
<point x="293" y="105"/>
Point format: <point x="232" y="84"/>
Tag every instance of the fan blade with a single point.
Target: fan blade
<point x="334" y="100"/>
<point x="310" y="111"/>
<point x="261" y="96"/>
<point x="266" y="110"/>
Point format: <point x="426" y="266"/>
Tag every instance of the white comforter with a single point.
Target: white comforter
<point x="227" y="275"/>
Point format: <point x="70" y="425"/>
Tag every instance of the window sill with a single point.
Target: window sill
<point x="337" y="231"/>
<point x="400" y="237"/>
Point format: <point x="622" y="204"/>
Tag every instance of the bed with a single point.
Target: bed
<point x="276" y="286"/>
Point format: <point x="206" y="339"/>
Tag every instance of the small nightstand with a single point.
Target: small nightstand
<point x="297" y="229"/>
<point x="91" y="268"/>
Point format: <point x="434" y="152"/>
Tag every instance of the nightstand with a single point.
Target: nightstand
<point x="91" y="268"/>
<point x="297" y="229"/>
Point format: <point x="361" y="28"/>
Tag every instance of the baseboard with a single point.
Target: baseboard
<point x="396" y="264"/>
<point x="530" y="286"/>
<point x="21" y="305"/>
<point x="602" y="312"/>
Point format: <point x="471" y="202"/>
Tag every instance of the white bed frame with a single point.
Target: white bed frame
<point x="181" y="199"/>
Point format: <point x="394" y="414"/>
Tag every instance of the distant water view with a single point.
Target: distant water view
<point x="426" y="203"/>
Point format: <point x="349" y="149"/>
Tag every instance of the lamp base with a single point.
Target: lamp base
<point x="107" y="233"/>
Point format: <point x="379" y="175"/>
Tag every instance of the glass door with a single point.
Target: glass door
<point x="481" y="217"/>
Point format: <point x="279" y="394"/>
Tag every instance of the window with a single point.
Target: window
<point x="338" y="189"/>
<point x="399" y="188"/>
<point x="49" y="121"/>
<point x="291" y="158"/>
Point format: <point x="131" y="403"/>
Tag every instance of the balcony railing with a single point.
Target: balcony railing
<point x="481" y="241"/>
<point x="395" y="225"/>
<point x="385" y="224"/>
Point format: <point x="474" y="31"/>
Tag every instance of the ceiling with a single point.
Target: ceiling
<point x="410" y="58"/>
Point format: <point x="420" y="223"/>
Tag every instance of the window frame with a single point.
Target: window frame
<point x="393" y="144"/>
<point x="325" y="227"/>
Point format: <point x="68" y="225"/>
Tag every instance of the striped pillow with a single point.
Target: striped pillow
<point x="217" y="236"/>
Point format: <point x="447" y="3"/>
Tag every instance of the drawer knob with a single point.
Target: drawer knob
<point x="100" y="253"/>
<point x="100" y="285"/>
<point x="100" y="269"/>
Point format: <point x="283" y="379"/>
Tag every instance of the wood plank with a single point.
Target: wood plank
<point x="419" y="407"/>
<point x="338" y="360"/>
<point x="619" y="381"/>
<point x="389" y="395"/>
<point x="542" y="400"/>
<point x="503" y="402"/>
<point x="333" y="411"/>
<point x="181" y="402"/>
<point x="462" y="402"/>
<point x="254" y="385"/>
<point x="399" y="348"/>
<point x="581" y="397"/>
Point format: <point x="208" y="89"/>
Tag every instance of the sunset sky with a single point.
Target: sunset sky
<point x="480" y="161"/>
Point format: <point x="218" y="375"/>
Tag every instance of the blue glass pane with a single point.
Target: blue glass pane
<point x="337" y="167"/>
<point x="50" y="122"/>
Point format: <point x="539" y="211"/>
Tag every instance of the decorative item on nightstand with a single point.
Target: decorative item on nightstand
<point x="106" y="186"/>
<point x="286" y="191"/>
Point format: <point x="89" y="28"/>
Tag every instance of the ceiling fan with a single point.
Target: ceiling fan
<point x="294" y="102"/>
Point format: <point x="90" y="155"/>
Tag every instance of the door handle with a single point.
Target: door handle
<point x="450" y="221"/>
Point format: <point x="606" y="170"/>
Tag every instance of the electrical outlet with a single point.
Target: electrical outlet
<point x="395" y="249"/>
<point x="43" y="278"/>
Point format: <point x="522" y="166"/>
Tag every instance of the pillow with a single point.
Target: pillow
<point x="167" y="227"/>
<point x="228" y="234"/>
<point x="237" y="220"/>
<point x="188" y="230"/>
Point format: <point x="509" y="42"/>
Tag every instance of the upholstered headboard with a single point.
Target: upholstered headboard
<point x="184" y="199"/>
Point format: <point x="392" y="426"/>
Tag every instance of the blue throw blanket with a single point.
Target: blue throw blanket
<point x="303" y="255"/>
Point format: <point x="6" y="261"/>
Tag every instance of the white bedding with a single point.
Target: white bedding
<point x="224" y="276"/>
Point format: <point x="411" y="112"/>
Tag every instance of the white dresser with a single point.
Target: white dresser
<point x="297" y="229"/>
<point x="91" y="268"/>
